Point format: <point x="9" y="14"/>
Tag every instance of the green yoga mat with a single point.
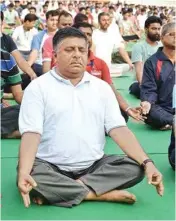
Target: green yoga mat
<point x="149" y="205"/>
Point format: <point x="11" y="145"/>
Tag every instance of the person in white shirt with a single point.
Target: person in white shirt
<point x="24" y="34"/>
<point x="142" y="18"/>
<point x="71" y="10"/>
<point x="11" y="16"/>
<point x="106" y="43"/>
<point x="95" y="14"/>
<point x="26" y="10"/>
<point x="61" y="159"/>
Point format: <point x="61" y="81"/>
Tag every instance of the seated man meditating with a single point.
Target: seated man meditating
<point x="61" y="159"/>
<point x="9" y="114"/>
<point x="158" y="82"/>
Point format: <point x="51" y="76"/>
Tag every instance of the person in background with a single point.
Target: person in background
<point x="127" y="29"/>
<point x="11" y="16"/>
<point x="35" y="57"/>
<point x="39" y="23"/>
<point x="171" y="149"/>
<point x="9" y="114"/>
<point x="7" y="44"/>
<point x="142" y="50"/>
<point x="26" y="10"/>
<point x="82" y="10"/>
<point x="65" y="20"/>
<point x="24" y="34"/>
<point x="80" y="18"/>
<point x="18" y="8"/>
<point x="158" y="82"/>
<point x="105" y="43"/>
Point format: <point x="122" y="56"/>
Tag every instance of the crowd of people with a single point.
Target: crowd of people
<point x="56" y="58"/>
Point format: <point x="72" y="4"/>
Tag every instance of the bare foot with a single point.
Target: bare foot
<point x="166" y="127"/>
<point x="37" y="201"/>
<point x="121" y="196"/>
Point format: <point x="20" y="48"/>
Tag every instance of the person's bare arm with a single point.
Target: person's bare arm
<point x="139" y="70"/>
<point x="122" y="103"/>
<point x="133" y="112"/>
<point x="32" y="57"/>
<point x="46" y="66"/>
<point x="18" y="21"/>
<point x="28" y="150"/>
<point x="129" y="144"/>
<point x="17" y="93"/>
<point x="23" y="65"/>
<point x="125" y="56"/>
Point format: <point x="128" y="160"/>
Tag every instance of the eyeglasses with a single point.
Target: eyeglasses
<point x="172" y="34"/>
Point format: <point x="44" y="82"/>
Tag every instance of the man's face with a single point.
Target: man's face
<point x="83" y="11"/>
<point x="29" y="25"/>
<point x="88" y="32"/>
<point x="71" y="56"/>
<point x="32" y="11"/>
<point x="170" y="18"/>
<point x="70" y="7"/>
<point x="52" y="22"/>
<point x="10" y="9"/>
<point x="153" y="32"/>
<point x="104" y="22"/>
<point x="45" y="9"/>
<point x="65" y="22"/>
<point x="126" y="16"/>
<point x="169" y="39"/>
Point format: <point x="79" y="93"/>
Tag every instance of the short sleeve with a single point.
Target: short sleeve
<point x="9" y="69"/>
<point x="35" y="43"/>
<point x="8" y="44"/>
<point x="106" y="73"/>
<point x="31" y="115"/>
<point x="136" y="54"/>
<point x="47" y="50"/>
<point x="113" y="117"/>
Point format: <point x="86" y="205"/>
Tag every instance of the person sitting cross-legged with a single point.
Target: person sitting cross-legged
<point x="61" y="159"/>
<point x="142" y="50"/>
<point x="158" y="82"/>
<point x="9" y="114"/>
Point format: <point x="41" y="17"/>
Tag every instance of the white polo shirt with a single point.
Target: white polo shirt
<point x="22" y="38"/>
<point x="105" y="43"/>
<point x="71" y="119"/>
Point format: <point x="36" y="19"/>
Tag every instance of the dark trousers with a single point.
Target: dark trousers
<point x="9" y="120"/>
<point x="171" y="150"/>
<point x="159" y="117"/>
<point x="37" y="68"/>
<point x="134" y="89"/>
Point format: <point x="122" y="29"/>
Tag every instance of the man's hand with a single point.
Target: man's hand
<point x="146" y="106"/>
<point x="154" y="177"/>
<point x="34" y="76"/>
<point x="135" y="113"/>
<point x="131" y="66"/>
<point x="25" y="185"/>
<point x="5" y="103"/>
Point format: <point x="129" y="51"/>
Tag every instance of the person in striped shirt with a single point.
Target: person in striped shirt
<point x="9" y="114"/>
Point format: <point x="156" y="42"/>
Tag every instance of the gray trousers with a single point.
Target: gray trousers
<point x="60" y="188"/>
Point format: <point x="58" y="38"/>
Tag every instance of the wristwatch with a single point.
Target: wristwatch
<point x="145" y="162"/>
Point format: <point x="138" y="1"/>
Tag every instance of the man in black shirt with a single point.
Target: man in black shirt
<point x="8" y="45"/>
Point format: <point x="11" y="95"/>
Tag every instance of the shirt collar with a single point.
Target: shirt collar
<point x="85" y="79"/>
<point x="161" y="56"/>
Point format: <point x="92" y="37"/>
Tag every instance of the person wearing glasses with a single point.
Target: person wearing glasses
<point x="158" y="82"/>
